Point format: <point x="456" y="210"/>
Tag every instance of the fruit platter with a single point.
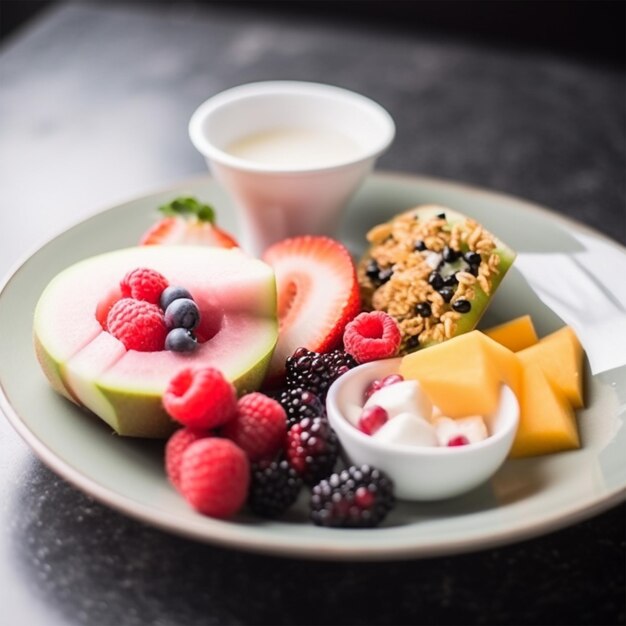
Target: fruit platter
<point x="402" y="389"/>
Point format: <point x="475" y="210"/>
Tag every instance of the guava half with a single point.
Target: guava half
<point x="236" y="295"/>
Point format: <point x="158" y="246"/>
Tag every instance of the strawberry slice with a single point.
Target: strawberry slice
<point x="318" y="294"/>
<point x="187" y="221"/>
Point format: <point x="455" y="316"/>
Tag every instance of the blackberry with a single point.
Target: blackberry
<point x="315" y="371"/>
<point x="274" y="487"/>
<point x="300" y="403"/>
<point x="312" y="449"/>
<point x="357" y="497"/>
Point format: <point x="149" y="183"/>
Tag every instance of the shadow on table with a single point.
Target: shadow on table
<point x="97" y="567"/>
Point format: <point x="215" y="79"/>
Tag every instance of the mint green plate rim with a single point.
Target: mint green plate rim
<point x="126" y="474"/>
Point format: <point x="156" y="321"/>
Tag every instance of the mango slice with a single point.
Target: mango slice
<point x="515" y="334"/>
<point x="560" y="356"/>
<point x="547" y="421"/>
<point x="463" y="375"/>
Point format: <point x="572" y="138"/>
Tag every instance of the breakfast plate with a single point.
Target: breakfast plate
<point x="563" y="275"/>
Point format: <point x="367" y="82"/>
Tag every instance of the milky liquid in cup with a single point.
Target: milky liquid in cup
<point x="295" y="148"/>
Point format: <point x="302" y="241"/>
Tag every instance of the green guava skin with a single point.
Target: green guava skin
<point x="141" y="414"/>
<point x="481" y="300"/>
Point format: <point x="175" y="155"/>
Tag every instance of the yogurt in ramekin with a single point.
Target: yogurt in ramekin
<point x="290" y="153"/>
<point x="419" y="472"/>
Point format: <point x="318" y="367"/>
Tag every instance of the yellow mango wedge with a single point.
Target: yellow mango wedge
<point x="560" y="356"/>
<point x="515" y="334"/>
<point x="547" y="421"/>
<point x="462" y="375"/>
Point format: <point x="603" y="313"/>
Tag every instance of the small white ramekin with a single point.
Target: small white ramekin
<point x="278" y="202"/>
<point x="420" y="473"/>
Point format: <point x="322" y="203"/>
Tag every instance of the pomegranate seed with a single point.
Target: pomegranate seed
<point x="372" y="418"/>
<point x="459" y="440"/>
<point x="377" y="384"/>
<point x="374" y="386"/>
<point x="392" y="379"/>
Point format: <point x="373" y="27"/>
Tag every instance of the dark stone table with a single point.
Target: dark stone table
<point x="94" y="104"/>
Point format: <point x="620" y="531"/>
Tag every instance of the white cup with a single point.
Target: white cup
<point x="278" y="201"/>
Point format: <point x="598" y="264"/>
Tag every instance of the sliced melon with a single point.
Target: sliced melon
<point x="463" y="375"/>
<point x="515" y="334"/>
<point x="560" y="356"/>
<point x="236" y="295"/>
<point x="547" y="422"/>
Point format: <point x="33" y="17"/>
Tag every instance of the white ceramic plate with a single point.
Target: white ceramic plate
<point x="565" y="273"/>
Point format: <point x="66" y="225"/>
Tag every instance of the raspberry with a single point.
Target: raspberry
<point x="137" y="324"/>
<point x="214" y="476"/>
<point x="259" y="427"/>
<point x="312" y="448"/>
<point x="274" y="487"/>
<point x="377" y="384"/>
<point x="143" y="284"/>
<point x="300" y="403"/>
<point x="176" y="445"/>
<point x="357" y="497"/>
<point x="200" y="398"/>
<point x="372" y="419"/>
<point x="316" y="371"/>
<point x="372" y="336"/>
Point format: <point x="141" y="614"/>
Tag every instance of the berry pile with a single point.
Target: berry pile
<point x="254" y="451"/>
<point x="286" y="442"/>
<point x="152" y="315"/>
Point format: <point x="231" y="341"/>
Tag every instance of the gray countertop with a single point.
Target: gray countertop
<point x="94" y="105"/>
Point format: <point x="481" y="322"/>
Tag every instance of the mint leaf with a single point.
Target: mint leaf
<point x="186" y="206"/>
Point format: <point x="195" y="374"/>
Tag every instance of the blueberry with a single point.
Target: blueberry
<point x="384" y="275"/>
<point x="473" y="258"/>
<point x="182" y="313"/>
<point x="435" y="280"/>
<point x="173" y="293"/>
<point x="423" y="309"/>
<point x="180" y="340"/>
<point x="446" y="293"/>
<point x="462" y="306"/>
<point x="372" y="269"/>
<point x="450" y="254"/>
<point x="419" y="245"/>
<point x="412" y="342"/>
<point x="450" y="281"/>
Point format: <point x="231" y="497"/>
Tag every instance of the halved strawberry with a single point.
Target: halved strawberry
<point x="318" y="294"/>
<point x="189" y="222"/>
